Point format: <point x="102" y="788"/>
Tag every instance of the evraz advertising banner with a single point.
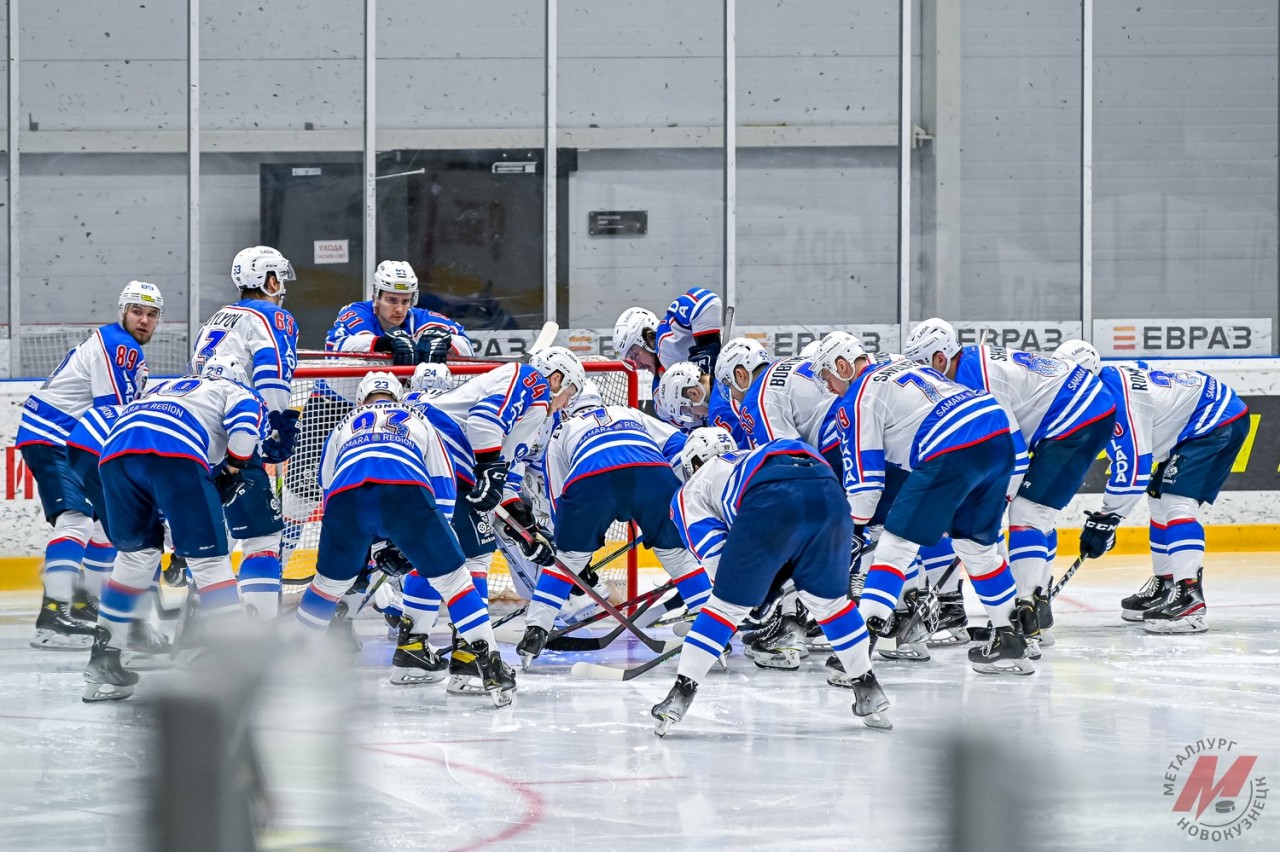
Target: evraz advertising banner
<point x="1163" y="338"/>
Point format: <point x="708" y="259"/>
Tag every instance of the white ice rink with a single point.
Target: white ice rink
<point x="764" y="760"/>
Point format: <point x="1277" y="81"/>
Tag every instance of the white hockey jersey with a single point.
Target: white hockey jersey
<point x="784" y="402"/>
<point x="1045" y="397"/>
<point x="503" y="410"/>
<point x="387" y="443"/>
<point x="263" y="337"/>
<point x="904" y="414"/>
<point x="195" y="417"/>
<point x="1155" y="411"/>
<point x="107" y="369"/>
<point x="689" y="314"/>
<point x="594" y="440"/>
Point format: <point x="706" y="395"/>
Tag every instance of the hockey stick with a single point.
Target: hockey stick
<point x="511" y="616"/>
<point x="1075" y="566"/>
<point x="368" y="596"/>
<point x="594" y="671"/>
<point x="728" y="322"/>
<point x="650" y="642"/>
<point x="558" y="641"/>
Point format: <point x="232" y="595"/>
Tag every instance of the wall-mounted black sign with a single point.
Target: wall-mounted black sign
<point x="617" y="223"/>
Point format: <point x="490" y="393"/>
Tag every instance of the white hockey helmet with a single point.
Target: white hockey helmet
<point x="431" y="378"/>
<point x="703" y="443"/>
<point x="670" y="397"/>
<point x="557" y="359"/>
<point x="589" y="398"/>
<point x="836" y="345"/>
<point x="225" y="367"/>
<point x="629" y="330"/>
<point x="395" y="276"/>
<point x="251" y="266"/>
<point x="379" y="381"/>
<point x="810" y="349"/>
<point x="745" y="352"/>
<point x="142" y="293"/>
<point x="1082" y="352"/>
<point x="932" y="335"/>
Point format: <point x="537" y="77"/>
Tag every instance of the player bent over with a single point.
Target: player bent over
<point x="158" y="460"/>
<point x="603" y="466"/>
<point x="105" y="369"/>
<point x="957" y="447"/>
<point x="386" y="476"/>
<point x="1189" y="426"/>
<point x="746" y="514"/>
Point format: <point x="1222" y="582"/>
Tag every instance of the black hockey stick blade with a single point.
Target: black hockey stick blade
<point x="1075" y="566"/>
<point x="558" y="641"/>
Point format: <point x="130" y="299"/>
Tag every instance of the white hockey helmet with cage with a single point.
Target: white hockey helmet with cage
<point x="932" y="335"/>
<point x="704" y="443"/>
<point x="1081" y="352"/>
<point x="629" y="330"/>
<point x="836" y="345"/>
<point x="225" y="367"/>
<point x="557" y="359"/>
<point x="395" y="276"/>
<point x="670" y="398"/>
<point x="252" y="265"/>
<point x="142" y="293"/>
<point x="431" y="378"/>
<point x="744" y="352"/>
<point x="379" y="381"/>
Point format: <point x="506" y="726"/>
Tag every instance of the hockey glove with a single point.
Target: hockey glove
<point x="433" y="346"/>
<point x="1099" y="534"/>
<point x="279" y="445"/>
<point x="491" y="477"/>
<point x="539" y="550"/>
<point x="705" y="355"/>
<point x="229" y="483"/>
<point x="388" y="559"/>
<point x="398" y="342"/>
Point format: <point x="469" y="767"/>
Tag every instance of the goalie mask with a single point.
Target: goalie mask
<point x="704" y="443"/>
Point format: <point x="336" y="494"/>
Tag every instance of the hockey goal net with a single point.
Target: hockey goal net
<point x="322" y="388"/>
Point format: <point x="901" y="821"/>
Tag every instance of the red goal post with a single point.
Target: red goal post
<point x="319" y="387"/>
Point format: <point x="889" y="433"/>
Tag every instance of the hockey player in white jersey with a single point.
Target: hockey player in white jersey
<point x="1065" y="417"/>
<point x="602" y="466"/>
<point x="957" y="447"/>
<point x="387" y="476"/>
<point x="1176" y="438"/>
<point x="263" y="336"/>
<point x="745" y="515"/>
<point x="687" y="398"/>
<point x="689" y="331"/>
<point x="159" y="459"/>
<point x="106" y="369"/>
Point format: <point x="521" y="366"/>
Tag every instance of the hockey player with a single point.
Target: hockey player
<point x="1064" y="415"/>
<point x="386" y="475"/>
<point x="106" y="369"/>
<point x="688" y="398"/>
<point x="158" y="459"/>
<point x="391" y="324"/>
<point x="690" y="331"/>
<point x="603" y="466"/>
<point x="746" y="514"/>
<point x="259" y="333"/>
<point x="1176" y="437"/>
<point x="956" y="445"/>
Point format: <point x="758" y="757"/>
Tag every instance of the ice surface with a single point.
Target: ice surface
<point x="765" y="759"/>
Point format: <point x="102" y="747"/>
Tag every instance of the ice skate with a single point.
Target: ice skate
<point x="814" y="638"/>
<point x="84" y="607"/>
<point x="1182" y="609"/>
<point x="342" y="631"/>
<point x="147" y="648"/>
<point x="1024" y="615"/>
<point x="910" y="635"/>
<point x="475" y="660"/>
<point x="531" y="645"/>
<point x="415" y="661"/>
<point x="57" y="630"/>
<point x="175" y="573"/>
<point x="1004" y="652"/>
<point x="777" y="648"/>
<point x="672" y="708"/>
<point x="1156" y="587"/>
<point x="106" y="678"/>
<point x="952" y="620"/>
<point x="1044" y="616"/>
<point x="869" y="701"/>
